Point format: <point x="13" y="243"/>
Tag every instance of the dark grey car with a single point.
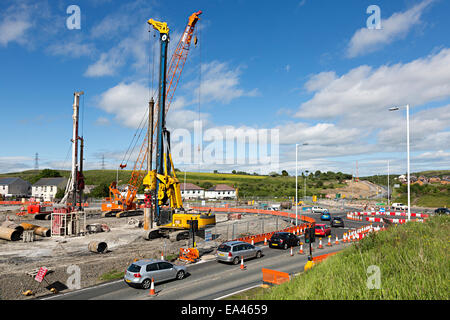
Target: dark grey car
<point x="232" y="251"/>
<point x="140" y="273"/>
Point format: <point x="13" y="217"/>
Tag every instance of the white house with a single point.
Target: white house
<point x="46" y="188"/>
<point x="14" y="187"/>
<point x="191" y="191"/>
<point x="221" y="191"/>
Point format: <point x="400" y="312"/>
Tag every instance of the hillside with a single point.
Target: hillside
<point x="275" y="186"/>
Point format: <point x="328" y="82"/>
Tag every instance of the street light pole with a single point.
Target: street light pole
<point x="296" y="184"/>
<point x="407" y="155"/>
<point x="388" y="186"/>
<point x="296" y="180"/>
<point x="407" y="146"/>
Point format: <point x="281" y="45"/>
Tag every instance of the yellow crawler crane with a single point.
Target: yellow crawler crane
<point x="171" y="218"/>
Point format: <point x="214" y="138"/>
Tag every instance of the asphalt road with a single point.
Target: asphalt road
<point x="212" y="280"/>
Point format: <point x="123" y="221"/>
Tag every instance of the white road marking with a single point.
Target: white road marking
<point x="236" y="292"/>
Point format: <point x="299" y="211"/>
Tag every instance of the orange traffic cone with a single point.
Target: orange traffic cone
<point x="253" y="243"/>
<point x="242" y="263"/>
<point x="329" y="241"/>
<point x="152" y="288"/>
<point x="320" y="244"/>
<point x="337" y="240"/>
<point x="162" y="255"/>
<point x="292" y="252"/>
<point x="301" y="249"/>
<point x="265" y="241"/>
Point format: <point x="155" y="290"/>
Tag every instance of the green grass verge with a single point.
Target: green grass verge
<point x="112" y="275"/>
<point x="413" y="260"/>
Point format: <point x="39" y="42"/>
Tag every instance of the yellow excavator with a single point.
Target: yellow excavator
<point x="162" y="187"/>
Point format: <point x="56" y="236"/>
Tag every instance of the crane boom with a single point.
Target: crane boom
<point x="117" y="201"/>
<point x="169" y="212"/>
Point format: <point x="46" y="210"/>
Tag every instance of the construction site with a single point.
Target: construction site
<point x="66" y="244"/>
<point x="100" y="240"/>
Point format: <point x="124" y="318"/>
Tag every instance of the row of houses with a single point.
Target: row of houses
<point x="46" y="189"/>
<point x="220" y="191"/>
<point x="421" y="180"/>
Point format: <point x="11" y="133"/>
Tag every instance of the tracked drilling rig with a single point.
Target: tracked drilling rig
<point x="162" y="186"/>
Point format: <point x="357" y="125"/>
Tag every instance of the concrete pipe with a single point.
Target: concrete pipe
<point x="12" y="225"/>
<point x="38" y="230"/>
<point x="28" y="226"/>
<point x="10" y="234"/>
<point x="42" y="231"/>
<point x="43" y="216"/>
<point x="97" y="247"/>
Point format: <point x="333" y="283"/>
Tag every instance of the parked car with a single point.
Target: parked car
<point x="399" y="206"/>
<point x="283" y="240"/>
<point x="325" y="216"/>
<point x="318" y="210"/>
<point x="232" y="251"/>
<point x="140" y="273"/>
<point x="322" y="230"/>
<point x="442" y="211"/>
<point x="337" y="222"/>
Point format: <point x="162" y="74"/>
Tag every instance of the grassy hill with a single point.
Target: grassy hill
<point x="249" y="185"/>
<point x="413" y="260"/>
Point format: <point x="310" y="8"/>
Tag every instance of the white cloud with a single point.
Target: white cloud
<point x="128" y="102"/>
<point x="323" y="134"/>
<point x="362" y="96"/>
<point x="102" y="121"/>
<point x="221" y="83"/>
<point x="395" y="27"/>
<point x="15" y="21"/>
<point x="320" y="81"/>
<point x="438" y="155"/>
<point x="15" y="164"/>
<point x="71" y="48"/>
<point x="106" y="65"/>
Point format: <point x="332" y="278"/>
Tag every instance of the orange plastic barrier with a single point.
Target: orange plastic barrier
<point x="261" y="211"/>
<point x="275" y="277"/>
<point x="260" y="237"/>
<point x="323" y="256"/>
<point x="189" y="254"/>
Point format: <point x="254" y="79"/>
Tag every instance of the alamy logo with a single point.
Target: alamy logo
<point x="74" y="20"/>
<point x="374" y="279"/>
<point x="74" y="280"/>
<point x="374" y="20"/>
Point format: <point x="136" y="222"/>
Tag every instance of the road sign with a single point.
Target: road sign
<point x="208" y="235"/>
<point x="382" y="209"/>
<point x="41" y="274"/>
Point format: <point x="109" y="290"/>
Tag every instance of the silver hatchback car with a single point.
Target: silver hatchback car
<point x="232" y="251"/>
<point x="140" y="273"/>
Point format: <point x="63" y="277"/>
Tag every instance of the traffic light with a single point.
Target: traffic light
<point x="310" y="235"/>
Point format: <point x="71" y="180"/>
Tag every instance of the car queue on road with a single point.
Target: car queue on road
<point x="141" y="273"/>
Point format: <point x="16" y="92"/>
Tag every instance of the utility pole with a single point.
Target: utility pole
<point x="76" y="103"/>
<point x="388" y="186"/>
<point x="36" y="162"/>
<point x="72" y="187"/>
<point x="148" y="209"/>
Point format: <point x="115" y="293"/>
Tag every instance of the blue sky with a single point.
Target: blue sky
<point x="310" y="69"/>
